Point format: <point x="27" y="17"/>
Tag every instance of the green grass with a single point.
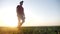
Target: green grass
<point x="36" y="30"/>
<point x="41" y="30"/>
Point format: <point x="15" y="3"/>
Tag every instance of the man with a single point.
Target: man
<point x="20" y="14"/>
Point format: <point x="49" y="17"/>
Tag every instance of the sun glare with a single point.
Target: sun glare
<point x="9" y="17"/>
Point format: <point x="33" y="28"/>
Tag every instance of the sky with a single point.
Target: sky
<point x="37" y="12"/>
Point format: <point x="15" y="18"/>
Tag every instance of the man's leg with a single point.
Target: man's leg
<point x="23" y="20"/>
<point x="19" y="22"/>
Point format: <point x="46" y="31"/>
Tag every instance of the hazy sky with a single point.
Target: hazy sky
<point x="37" y="12"/>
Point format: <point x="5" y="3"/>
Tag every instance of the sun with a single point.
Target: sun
<point x="10" y="21"/>
<point x="9" y="17"/>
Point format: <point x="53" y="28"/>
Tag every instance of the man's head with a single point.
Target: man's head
<point x="21" y="3"/>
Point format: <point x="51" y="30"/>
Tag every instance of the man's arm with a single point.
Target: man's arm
<point x="23" y="13"/>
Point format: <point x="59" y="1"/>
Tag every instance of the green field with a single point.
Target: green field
<point x="32" y="30"/>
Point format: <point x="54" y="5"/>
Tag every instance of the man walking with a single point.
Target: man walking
<point x="20" y="14"/>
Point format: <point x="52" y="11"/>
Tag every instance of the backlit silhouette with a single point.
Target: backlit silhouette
<point x="20" y="14"/>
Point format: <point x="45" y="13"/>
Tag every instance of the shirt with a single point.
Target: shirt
<point x="20" y="10"/>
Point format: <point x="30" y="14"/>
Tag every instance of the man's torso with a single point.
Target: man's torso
<point x="20" y="10"/>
